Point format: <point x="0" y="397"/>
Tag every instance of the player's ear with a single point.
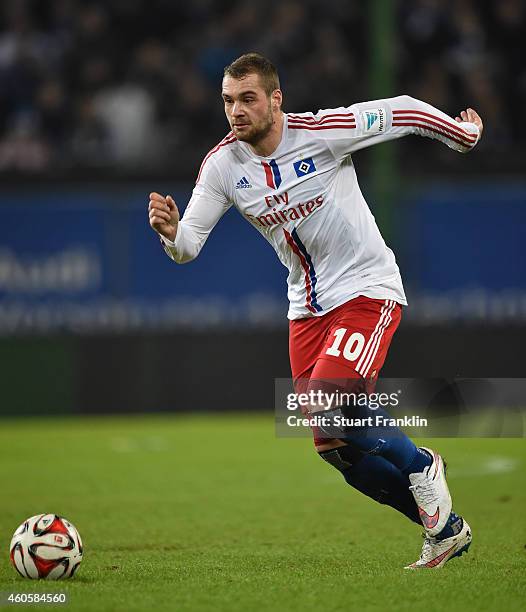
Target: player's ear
<point x="276" y="99"/>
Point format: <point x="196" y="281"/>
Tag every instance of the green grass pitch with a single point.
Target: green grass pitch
<point x="216" y="513"/>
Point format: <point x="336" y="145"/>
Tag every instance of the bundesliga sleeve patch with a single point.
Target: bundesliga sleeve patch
<point x="304" y="166"/>
<point x="374" y="121"/>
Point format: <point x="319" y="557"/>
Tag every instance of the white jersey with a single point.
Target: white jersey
<point x="305" y="199"/>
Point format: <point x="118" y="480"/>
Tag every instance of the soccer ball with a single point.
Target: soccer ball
<point x="46" y="546"/>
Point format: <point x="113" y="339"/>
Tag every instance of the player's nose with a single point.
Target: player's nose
<point x="237" y="109"/>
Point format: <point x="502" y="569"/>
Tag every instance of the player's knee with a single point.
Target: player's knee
<point x="349" y="462"/>
<point x="341" y="456"/>
<point x="329" y="444"/>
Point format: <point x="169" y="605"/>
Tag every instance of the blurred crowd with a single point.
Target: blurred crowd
<point x="132" y="86"/>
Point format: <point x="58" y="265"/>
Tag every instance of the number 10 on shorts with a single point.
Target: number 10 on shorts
<point x="353" y="347"/>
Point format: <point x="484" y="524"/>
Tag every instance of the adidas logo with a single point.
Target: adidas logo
<point x="243" y="184"/>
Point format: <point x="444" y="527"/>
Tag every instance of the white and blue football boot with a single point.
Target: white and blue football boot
<point x="431" y="493"/>
<point x="435" y="553"/>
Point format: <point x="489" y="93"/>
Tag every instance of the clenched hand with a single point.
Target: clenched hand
<point x="164" y="215"/>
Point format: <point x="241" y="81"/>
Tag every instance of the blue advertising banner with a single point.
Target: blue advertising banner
<point x="83" y="258"/>
<point x="468" y="236"/>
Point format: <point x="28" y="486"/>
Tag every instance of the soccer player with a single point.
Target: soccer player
<point x="292" y="177"/>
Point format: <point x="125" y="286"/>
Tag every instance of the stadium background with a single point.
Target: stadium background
<point x="101" y="103"/>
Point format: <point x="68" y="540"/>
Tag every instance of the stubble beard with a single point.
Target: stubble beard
<point x="259" y="132"/>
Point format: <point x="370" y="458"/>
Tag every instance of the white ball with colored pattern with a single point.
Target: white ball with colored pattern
<point x="46" y="546"/>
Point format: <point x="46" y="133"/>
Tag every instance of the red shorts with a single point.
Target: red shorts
<point x="349" y="343"/>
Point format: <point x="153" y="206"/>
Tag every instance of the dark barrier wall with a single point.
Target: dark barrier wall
<point x="217" y="370"/>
